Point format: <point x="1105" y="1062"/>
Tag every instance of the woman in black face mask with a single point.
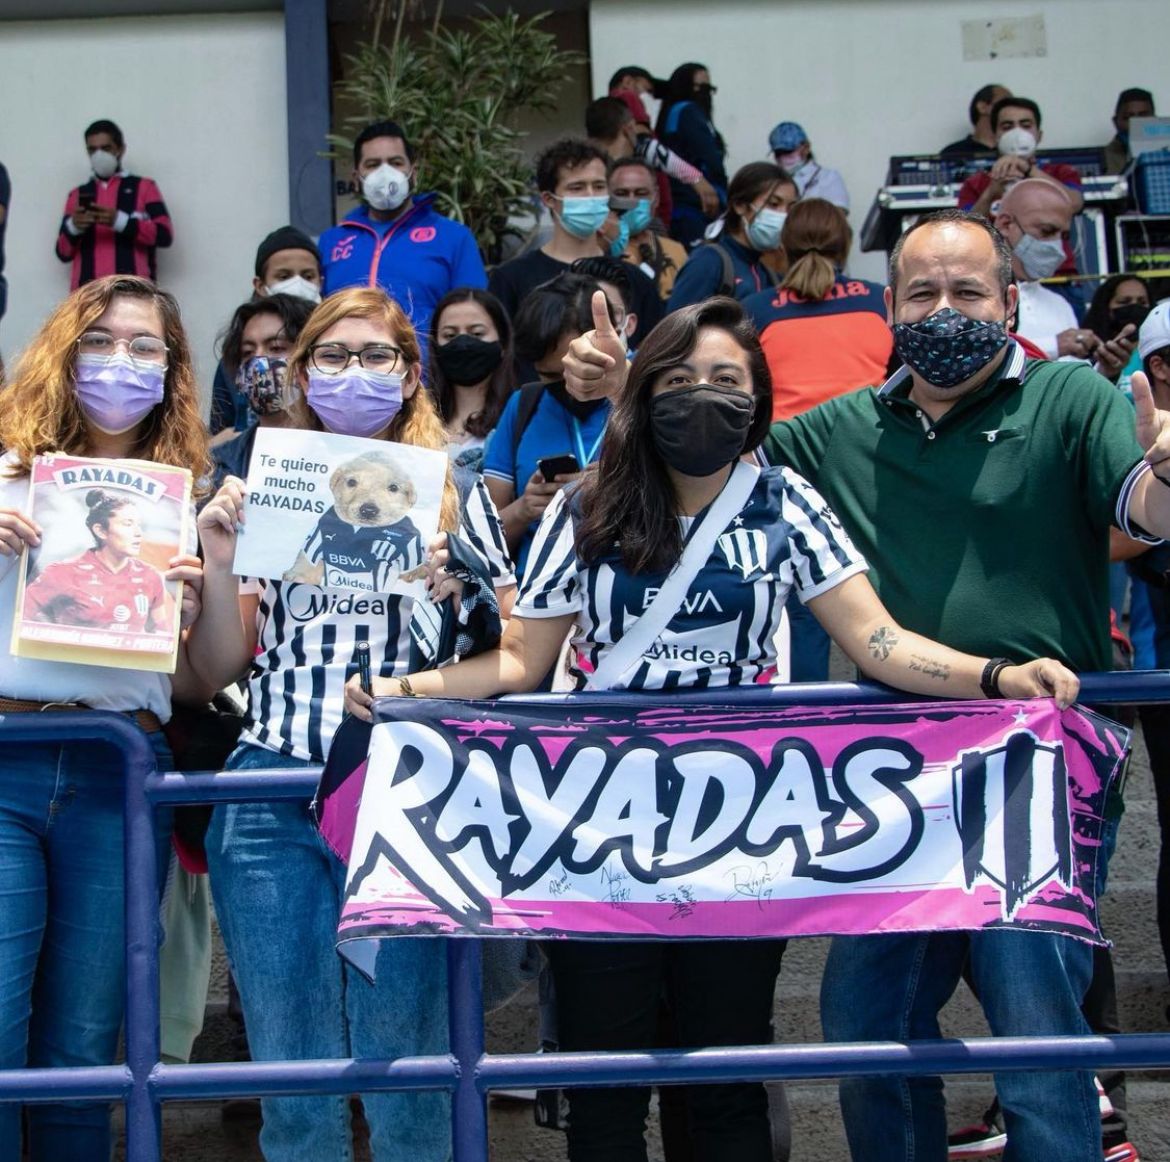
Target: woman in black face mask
<point x="673" y="495"/>
<point x="469" y="373"/>
<point x="1121" y="301"/>
<point x="686" y="125"/>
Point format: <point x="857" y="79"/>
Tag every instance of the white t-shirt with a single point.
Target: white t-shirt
<point x="306" y="648"/>
<point x="1043" y="315"/>
<point x="784" y="535"/>
<point x="99" y="687"/>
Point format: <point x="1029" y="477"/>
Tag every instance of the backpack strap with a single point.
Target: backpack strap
<point x="525" y="409"/>
<point x="727" y="274"/>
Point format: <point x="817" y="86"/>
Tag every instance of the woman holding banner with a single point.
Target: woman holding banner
<point x="277" y="888"/>
<point x="109" y="375"/>
<point x="668" y="567"/>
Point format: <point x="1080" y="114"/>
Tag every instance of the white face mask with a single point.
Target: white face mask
<point x="1017" y="143"/>
<point x="386" y="188"/>
<point x="296" y="286"/>
<point x="103" y="163"/>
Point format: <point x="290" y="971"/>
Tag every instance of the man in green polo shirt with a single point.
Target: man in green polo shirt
<point x="981" y="488"/>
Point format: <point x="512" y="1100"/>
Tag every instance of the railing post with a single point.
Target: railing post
<point x="469" y="1128"/>
<point x="143" y="1112"/>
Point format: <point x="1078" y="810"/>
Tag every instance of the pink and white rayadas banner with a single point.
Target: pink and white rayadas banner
<point x="601" y="819"/>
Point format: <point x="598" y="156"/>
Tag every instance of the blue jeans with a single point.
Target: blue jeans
<point x="62" y="932"/>
<point x="278" y="893"/>
<point x="891" y="988"/>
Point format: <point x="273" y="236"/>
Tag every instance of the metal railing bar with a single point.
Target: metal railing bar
<point x="283" y="1078"/>
<point x="83" y="1083"/>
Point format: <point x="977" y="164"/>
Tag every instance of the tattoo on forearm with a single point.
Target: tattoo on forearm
<point x="881" y="642"/>
<point x="930" y="667"/>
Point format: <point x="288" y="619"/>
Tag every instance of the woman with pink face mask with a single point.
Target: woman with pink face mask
<point x="108" y="375"/>
<point x="356" y="371"/>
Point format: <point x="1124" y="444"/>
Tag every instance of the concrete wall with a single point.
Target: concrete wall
<point x="871" y="78"/>
<point x="201" y="100"/>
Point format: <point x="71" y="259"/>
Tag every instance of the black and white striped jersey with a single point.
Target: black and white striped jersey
<point x="306" y="649"/>
<point x="784" y="536"/>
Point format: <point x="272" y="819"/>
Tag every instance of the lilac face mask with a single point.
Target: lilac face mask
<point x="116" y="392"/>
<point x="356" y="402"/>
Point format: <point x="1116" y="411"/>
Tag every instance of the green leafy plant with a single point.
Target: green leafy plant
<point x="457" y="93"/>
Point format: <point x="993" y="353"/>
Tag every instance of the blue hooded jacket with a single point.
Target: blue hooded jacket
<point x="416" y="259"/>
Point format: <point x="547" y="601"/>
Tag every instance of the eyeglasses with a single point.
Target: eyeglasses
<point x="334" y="358"/>
<point x="145" y="348"/>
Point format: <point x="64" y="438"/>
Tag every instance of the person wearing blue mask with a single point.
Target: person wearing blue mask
<point x="572" y="180"/>
<point x="1130" y="103"/>
<point x="633" y="195"/>
<point x="732" y="261"/>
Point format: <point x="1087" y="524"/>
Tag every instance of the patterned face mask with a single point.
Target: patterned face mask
<point x="261" y="380"/>
<point x="947" y="348"/>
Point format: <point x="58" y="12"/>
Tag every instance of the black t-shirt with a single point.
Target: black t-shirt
<point x="968" y="147"/>
<point x="512" y="281"/>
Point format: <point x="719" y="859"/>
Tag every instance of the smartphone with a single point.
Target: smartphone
<point x="85" y="201"/>
<point x="553" y="466"/>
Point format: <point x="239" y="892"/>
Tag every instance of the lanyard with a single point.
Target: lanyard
<point x="582" y="459"/>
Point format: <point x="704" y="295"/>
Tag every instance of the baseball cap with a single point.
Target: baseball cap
<point x="786" y="137"/>
<point x="284" y="238"/>
<point x="1155" y="331"/>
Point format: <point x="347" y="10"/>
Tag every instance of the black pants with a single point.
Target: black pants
<point x="720" y="993"/>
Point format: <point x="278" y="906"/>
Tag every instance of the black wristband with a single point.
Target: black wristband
<point x="989" y="682"/>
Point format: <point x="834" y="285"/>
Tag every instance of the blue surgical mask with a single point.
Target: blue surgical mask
<point x="639" y="217"/>
<point x="582" y="217"/>
<point x="618" y="246"/>
<point x="763" y="231"/>
<point x="947" y="348"/>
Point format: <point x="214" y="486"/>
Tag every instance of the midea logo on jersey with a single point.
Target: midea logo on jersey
<point x="1011" y="811"/>
<point x="305" y="603"/>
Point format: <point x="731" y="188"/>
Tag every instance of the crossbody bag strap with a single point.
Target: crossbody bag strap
<point x="638" y="638"/>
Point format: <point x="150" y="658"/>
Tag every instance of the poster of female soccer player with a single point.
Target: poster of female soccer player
<point x="93" y="591"/>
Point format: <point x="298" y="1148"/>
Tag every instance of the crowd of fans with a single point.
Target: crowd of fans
<point x="680" y="333"/>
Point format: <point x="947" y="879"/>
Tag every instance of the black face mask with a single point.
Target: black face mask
<point x="704" y="98"/>
<point x="698" y="430"/>
<point x="467" y="360"/>
<point x="579" y="409"/>
<point x="1134" y="313"/>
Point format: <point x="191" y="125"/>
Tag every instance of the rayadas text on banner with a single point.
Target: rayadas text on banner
<point x="703" y="820"/>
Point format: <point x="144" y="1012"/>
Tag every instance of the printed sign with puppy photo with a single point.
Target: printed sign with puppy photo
<point x="339" y="511"/>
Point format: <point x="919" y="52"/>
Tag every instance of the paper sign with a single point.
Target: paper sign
<point x="340" y="512"/>
<point x="93" y="591"/>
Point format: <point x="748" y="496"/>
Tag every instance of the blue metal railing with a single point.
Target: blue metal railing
<point x="468" y="1072"/>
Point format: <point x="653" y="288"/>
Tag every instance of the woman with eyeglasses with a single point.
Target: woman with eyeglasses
<point x="277" y="889"/>
<point x="108" y="375"/>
